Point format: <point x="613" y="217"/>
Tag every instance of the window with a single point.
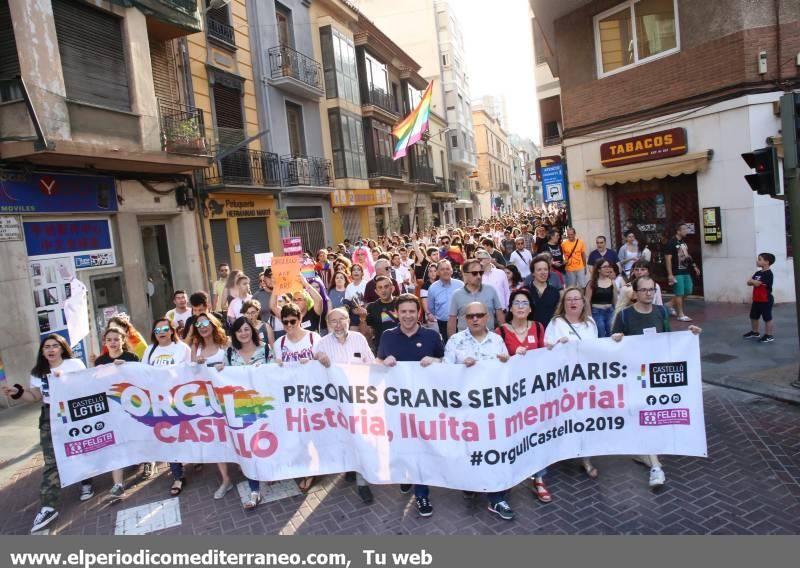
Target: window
<point x="445" y="60"/>
<point x="283" y="19"/>
<point x="635" y="32"/>
<point x="454" y="141"/>
<point x="294" y="124"/>
<point x="347" y="142"/>
<point x="339" y="64"/>
<point x="92" y="55"/>
<point x="377" y="82"/>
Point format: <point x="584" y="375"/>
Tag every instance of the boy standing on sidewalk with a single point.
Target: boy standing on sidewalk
<point x="762" y="299"/>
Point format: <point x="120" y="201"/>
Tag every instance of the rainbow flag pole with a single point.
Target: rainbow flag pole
<point x="409" y="131"/>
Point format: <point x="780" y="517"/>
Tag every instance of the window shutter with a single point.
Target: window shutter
<point x="253" y="240"/>
<point x="230" y="119"/>
<point x="165" y="77"/>
<point x="9" y="61"/>
<point x="92" y="55"/>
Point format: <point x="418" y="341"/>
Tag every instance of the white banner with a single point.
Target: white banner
<point x="485" y="428"/>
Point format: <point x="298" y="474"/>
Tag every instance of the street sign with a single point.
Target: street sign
<point x="553" y="183"/>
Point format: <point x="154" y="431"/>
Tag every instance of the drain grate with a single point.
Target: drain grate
<point x="718" y="357"/>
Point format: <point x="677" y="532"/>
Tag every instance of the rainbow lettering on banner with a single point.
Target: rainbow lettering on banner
<point x="409" y="131"/>
<point x="240" y="407"/>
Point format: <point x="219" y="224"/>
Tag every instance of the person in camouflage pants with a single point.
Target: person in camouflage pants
<point x="51" y="484"/>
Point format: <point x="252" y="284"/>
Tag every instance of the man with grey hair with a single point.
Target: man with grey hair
<point x="343" y="346"/>
<point x="439" y="295"/>
<point x="382" y="268"/>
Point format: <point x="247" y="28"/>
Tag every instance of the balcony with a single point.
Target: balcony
<point x="306" y="171"/>
<point x="383" y="167"/>
<point x="221" y="32"/>
<point x="295" y="73"/>
<point x="245" y="168"/>
<point x="451" y="185"/>
<point x="460" y="158"/>
<point x="551" y="140"/>
<point x="440" y="184"/>
<point x="377" y="103"/>
<point x="175" y="17"/>
<point x="422" y="174"/>
<point x="504" y="187"/>
<point x="182" y="129"/>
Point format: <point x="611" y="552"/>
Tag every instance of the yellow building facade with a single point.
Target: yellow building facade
<point x="494" y="163"/>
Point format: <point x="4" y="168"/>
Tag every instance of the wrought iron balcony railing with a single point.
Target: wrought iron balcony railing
<point x="451" y="185"/>
<point x="182" y="129"/>
<point x="245" y="167"/>
<point x="306" y="170"/>
<point x="221" y="31"/>
<point x="286" y="62"/>
<point x="383" y="166"/>
<point x="423" y="173"/>
<point x="379" y="98"/>
<point x="440" y="184"/>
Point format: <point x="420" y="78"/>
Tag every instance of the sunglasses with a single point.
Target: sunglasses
<point x="289" y="322"/>
<point x="162" y="329"/>
<point x="475" y="316"/>
<point x="476" y="273"/>
<point x="204" y="323"/>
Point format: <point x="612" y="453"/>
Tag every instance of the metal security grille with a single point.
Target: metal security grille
<point x="351" y="220"/>
<point x="219" y="241"/>
<point x="652" y="209"/>
<point x="253" y="240"/>
<point x="312" y="233"/>
<point x="92" y="55"/>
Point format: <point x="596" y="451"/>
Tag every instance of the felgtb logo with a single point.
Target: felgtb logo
<point x="666" y="375"/>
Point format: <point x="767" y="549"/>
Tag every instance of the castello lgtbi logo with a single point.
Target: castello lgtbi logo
<point x="665" y="375"/>
<point x="198" y="412"/>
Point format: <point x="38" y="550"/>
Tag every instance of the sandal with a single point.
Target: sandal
<point x="540" y="490"/>
<point x="253" y="502"/>
<point x="306" y="483"/>
<point x="590" y="470"/>
<point x="177" y="487"/>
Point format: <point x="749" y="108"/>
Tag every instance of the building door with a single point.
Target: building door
<point x="252" y="240"/>
<point x="351" y="221"/>
<point x="294" y="123"/>
<point x="158" y="269"/>
<point x="283" y="18"/>
<point x="652" y="209"/>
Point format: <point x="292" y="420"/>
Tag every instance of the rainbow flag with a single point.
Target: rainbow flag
<point x="410" y="130"/>
<point x="2" y="371"/>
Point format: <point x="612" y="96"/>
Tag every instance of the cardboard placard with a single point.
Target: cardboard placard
<point x="286" y="275"/>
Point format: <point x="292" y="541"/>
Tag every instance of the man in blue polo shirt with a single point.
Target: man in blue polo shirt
<point x="409" y="341"/>
<point x="439" y="295"/>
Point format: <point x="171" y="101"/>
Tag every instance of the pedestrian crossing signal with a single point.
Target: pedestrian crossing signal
<point x="766" y="180"/>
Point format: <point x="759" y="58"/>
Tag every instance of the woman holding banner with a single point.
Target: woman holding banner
<point x="572" y="322"/>
<point x="208" y="342"/>
<point x="53" y="360"/>
<point x="246" y="349"/>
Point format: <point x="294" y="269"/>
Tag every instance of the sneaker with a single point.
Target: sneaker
<point x="657" y="477"/>
<point x="45" y="516"/>
<point x="87" y="491"/>
<point x="150" y="470"/>
<point x="672" y="311"/>
<point x="223" y="490"/>
<point x="405" y="488"/>
<point x="750" y="335"/>
<point x="118" y="491"/>
<point x="252" y="502"/>
<point x="365" y="493"/>
<point x="766" y="339"/>
<point x="424" y="507"/>
<point x="502" y="510"/>
<point x="684" y="318"/>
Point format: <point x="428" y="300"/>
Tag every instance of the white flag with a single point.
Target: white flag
<point x="76" y="311"/>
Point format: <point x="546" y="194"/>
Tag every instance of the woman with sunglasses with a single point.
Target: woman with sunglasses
<point x="53" y="359"/>
<point x="166" y="350"/>
<point x="246" y="349"/>
<point x="572" y="322"/>
<point x="117" y="354"/>
<point x="208" y="342"/>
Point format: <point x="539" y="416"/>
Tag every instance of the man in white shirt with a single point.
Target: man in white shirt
<point x="494" y="277"/>
<point x="521" y="257"/>
<point x="402" y="274"/>
<point x="343" y="346"/>
<point x="477" y="343"/>
<point x="181" y="312"/>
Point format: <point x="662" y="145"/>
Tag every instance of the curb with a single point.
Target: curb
<point x="778" y="392"/>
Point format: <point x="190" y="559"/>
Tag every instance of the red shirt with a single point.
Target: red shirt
<point x="533" y="340"/>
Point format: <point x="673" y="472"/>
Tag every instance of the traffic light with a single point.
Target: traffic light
<point x="766" y="180"/>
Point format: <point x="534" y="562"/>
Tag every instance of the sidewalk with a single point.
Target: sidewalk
<point x="730" y="361"/>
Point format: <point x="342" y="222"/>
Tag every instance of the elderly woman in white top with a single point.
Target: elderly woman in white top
<point x="572" y="322"/>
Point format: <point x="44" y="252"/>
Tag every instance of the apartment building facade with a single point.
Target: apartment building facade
<point x="658" y="107"/>
<point x="494" y="164"/>
<point x="99" y="139"/>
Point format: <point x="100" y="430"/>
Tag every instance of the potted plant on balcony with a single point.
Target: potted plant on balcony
<point x="184" y="136"/>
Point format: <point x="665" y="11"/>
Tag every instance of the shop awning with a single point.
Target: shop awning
<point x="679" y="165"/>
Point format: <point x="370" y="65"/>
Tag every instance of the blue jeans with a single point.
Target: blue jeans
<point x="496" y="497"/>
<point x="603" y="317"/>
<point x="421" y="491"/>
<point x="254" y="484"/>
<point x="177" y="470"/>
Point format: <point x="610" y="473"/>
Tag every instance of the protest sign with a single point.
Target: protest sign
<point x="286" y="275"/>
<point x="483" y="428"/>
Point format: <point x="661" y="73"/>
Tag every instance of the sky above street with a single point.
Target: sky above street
<point x="499" y="52"/>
